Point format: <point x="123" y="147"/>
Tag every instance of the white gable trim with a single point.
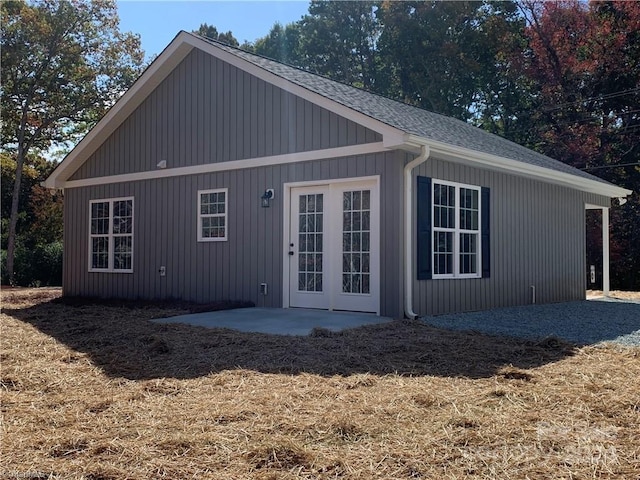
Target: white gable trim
<point x="155" y="73"/>
<point x="329" y="153"/>
<point x="494" y="162"/>
<point x="166" y="62"/>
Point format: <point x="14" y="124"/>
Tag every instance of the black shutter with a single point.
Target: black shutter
<point x="424" y="228"/>
<point x="485" y="234"/>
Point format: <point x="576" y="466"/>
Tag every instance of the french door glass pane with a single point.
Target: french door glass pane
<point x="310" y="229"/>
<point x="356" y="226"/>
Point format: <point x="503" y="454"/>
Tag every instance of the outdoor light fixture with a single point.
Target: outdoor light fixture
<point x="266" y="197"/>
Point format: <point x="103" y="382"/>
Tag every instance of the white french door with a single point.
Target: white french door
<point x="334" y="246"/>
<point x="308" y="247"/>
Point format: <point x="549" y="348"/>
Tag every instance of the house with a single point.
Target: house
<point x="224" y="175"/>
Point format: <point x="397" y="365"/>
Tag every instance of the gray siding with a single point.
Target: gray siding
<point x="207" y="111"/>
<point x="166" y="234"/>
<point x="537" y="238"/>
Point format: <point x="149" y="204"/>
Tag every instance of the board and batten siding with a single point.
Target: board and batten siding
<point x="537" y="239"/>
<point x="165" y="234"/>
<point x="207" y="111"/>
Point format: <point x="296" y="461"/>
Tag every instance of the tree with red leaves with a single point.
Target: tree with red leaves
<point x="583" y="64"/>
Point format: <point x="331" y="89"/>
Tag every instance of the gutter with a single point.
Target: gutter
<point x="408" y="230"/>
<point x="476" y="158"/>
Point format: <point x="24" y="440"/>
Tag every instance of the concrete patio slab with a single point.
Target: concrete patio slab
<point x="277" y="321"/>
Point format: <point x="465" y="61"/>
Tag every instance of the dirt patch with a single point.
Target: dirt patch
<point x="622" y="295"/>
<point x="101" y="392"/>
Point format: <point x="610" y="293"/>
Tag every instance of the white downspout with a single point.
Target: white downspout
<point x="408" y="230"/>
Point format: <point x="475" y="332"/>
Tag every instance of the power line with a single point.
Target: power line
<point x="606" y="96"/>
<point x="635" y="164"/>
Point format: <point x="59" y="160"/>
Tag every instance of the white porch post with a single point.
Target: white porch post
<point x="605" y="251"/>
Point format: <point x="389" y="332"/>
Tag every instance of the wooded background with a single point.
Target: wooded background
<point x="562" y="78"/>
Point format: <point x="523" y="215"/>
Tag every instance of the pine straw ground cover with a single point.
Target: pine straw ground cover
<point x="99" y="392"/>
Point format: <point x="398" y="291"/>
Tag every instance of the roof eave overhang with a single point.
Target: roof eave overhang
<point x="493" y="162"/>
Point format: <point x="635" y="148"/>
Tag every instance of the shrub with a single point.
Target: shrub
<point x="40" y="266"/>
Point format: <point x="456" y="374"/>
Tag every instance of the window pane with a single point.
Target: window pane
<point x="366" y="220"/>
<point x="366" y="200"/>
<point x="356" y="201"/>
<point x="100" y="252"/>
<point x="100" y="218"/>
<point x="346" y="262"/>
<point x="122" y="253"/>
<point x="346" y="222"/>
<point x="468" y="209"/>
<point x="356" y="224"/>
<point x="122" y="216"/>
<point x="346" y="283"/>
<point x="443" y="253"/>
<point x="346" y="242"/>
<point x="346" y="201"/>
<point x="365" y="262"/>
<point x="468" y="243"/>
<point x="365" y="284"/>
<point x="355" y="284"/>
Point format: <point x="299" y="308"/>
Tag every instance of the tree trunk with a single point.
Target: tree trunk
<point x="13" y="220"/>
<point x="15" y="199"/>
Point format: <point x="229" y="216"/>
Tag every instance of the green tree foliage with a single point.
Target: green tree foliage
<point x="63" y="65"/>
<point x="211" y="32"/>
<point x="282" y="43"/>
<point x="338" y="40"/>
<point x="38" y="257"/>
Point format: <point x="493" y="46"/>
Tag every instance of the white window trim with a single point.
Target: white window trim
<point x="111" y="236"/>
<point x="456" y="232"/>
<point x="225" y="215"/>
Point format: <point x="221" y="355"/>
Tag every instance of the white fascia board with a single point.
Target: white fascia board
<point x="329" y="153"/>
<point x="168" y="60"/>
<point x="494" y="162"/>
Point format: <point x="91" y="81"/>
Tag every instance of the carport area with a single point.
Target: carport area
<point x="278" y="321"/>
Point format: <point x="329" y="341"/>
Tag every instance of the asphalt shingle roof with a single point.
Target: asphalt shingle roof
<point x="409" y="119"/>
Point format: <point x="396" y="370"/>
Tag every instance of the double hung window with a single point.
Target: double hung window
<point x="456" y="230"/>
<point x="453" y="230"/>
<point x="212" y="215"/>
<point x="111" y="235"/>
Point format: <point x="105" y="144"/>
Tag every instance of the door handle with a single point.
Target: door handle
<point x="291" y="253"/>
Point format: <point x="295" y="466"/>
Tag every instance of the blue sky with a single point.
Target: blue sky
<point x="158" y="21"/>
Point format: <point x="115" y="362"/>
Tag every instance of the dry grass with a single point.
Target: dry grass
<point x="101" y="393"/>
<point x="619" y="294"/>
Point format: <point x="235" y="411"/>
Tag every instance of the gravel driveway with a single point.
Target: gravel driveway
<point x="584" y="322"/>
